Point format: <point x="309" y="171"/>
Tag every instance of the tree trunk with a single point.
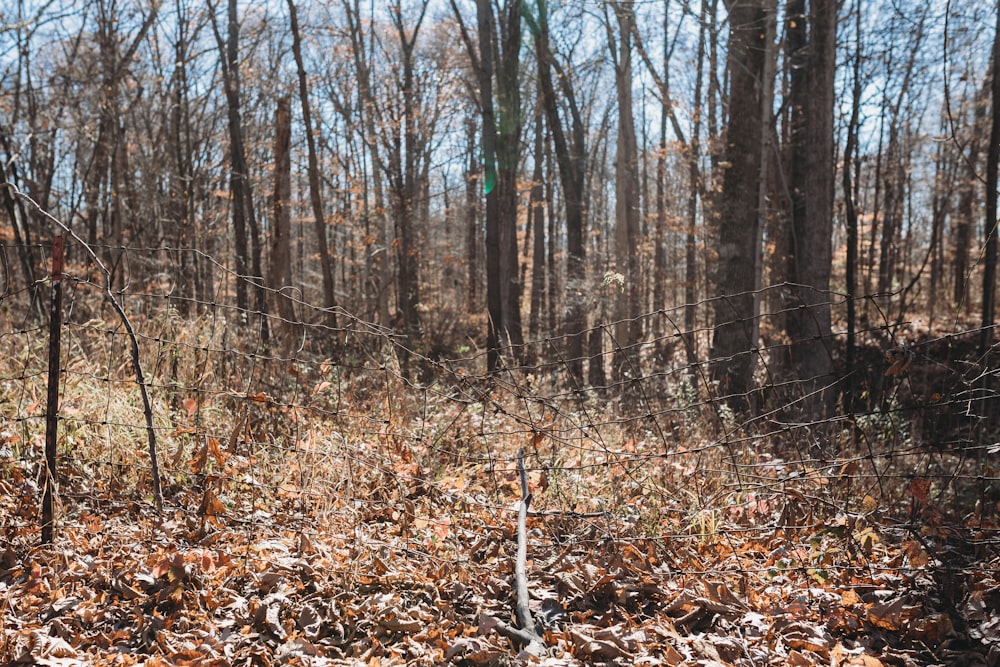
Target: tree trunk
<point x="326" y="254"/>
<point x="237" y="162"/>
<point x="992" y="159"/>
<point x="851" y="222"/>
<point x="660" y="224"/>
<point x="735" y="331"/>
<point x="19" y="222"/>
<point x="280" y="280"/>
<point x="627" y="241"/>
<point x="494" y="302"/>
<point x="694" y="188"/>
<point x="812" y="165"/>
<point x="537" y="221"/>
<point x="963" y="224"/>
<point x="473" y="237"/>
<point x="181" y="191"/>
<point x="375" y="236"/>
<point x="571" y="158"/>
<point x="407" y="211"/>
<point x="551" y="265"/>
<point x="508" y="156"/>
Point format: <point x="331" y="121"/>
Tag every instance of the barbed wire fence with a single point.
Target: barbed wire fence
<point x="324" y="423"/>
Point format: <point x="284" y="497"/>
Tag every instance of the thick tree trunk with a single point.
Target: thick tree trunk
<point x="735" y="331"/>
<point x="499" y="57"/>
<point x="508" y="157"/>
<point x="812" y="172"/>
<point x="494" y="302"/>
<point x="238" y="181"/>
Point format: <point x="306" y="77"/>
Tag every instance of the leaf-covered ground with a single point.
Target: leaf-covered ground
<point x="407" y="570"/>
<point x="365" y="521"/>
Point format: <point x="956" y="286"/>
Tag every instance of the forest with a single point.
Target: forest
<point x="489" y="332"/>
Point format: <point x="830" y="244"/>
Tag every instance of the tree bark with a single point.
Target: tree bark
<point x="281" y="249"/>
<point x="736" y="328"/>
<point x="992" y="160"/>
<point x="627" y="241"/>
<point x="326" y="253"/>
<point x="812" y="172"/>
<point x="537" y="221"/>
<point x="851" y="222"/>
<point x="695" y="186"/>
<point x="406" y="210"/>
<point x="374" y="212"/>
<point x="508" y="158"/>
<point x="571" y="158"/>
<point x="964" y="222"/>
<point x="473" y="237"/>
<point x="182" y="171"/>
<point x="238" y="181"/>
<point x="494" y="302"/>
<point x="498" y="56"/>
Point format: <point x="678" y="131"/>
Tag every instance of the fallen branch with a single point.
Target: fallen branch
<point x="526" y="634"/>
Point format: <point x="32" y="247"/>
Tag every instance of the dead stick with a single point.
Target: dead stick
<point x="522" y="611"/>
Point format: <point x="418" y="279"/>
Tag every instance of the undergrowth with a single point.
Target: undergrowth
<point x="335" y="509"/>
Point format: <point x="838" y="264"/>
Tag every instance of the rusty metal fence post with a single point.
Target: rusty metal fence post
<point x="52" y="402"/>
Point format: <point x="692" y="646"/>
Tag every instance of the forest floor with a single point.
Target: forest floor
<point x="393" y="543"/>
<point x="407" y="570"/>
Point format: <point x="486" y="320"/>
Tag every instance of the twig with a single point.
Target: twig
<point x="136" y="364"/>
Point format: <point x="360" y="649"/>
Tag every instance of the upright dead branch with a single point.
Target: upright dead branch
<point x="525" y="634"/>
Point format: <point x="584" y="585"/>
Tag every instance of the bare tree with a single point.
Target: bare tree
<point x="408" y="178"/>
<point x="239" y="182"/>
<point x="473" y="235"/>
<point x="992" y="161"/>
<point x="736" y="328"/>
<point x="498" y="57"/>
<point x="326" y="254"/>
<point x="280" y="278"/>
<point x="364" y="119"/>
<point x="108" y="171"/>
<point x="851" y="216"/>
<point x="692" y="149"/>
<point x="812" y="37"/>
<point x="536" y="218"/>
<point x="627" y="241"/>
<point x="570" y="149"/>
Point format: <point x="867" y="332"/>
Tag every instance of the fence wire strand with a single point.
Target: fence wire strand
<point x="354" y="423"/>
